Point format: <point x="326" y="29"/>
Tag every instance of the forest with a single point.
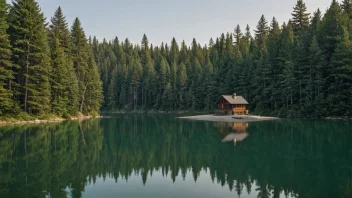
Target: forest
<point x="45" y="69"/>
<point x="301" y="68"/>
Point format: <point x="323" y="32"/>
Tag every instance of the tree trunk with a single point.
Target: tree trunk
<point x="82" y="102"/>
<point x="26" y="80"/>
<point x="26" y="92"/>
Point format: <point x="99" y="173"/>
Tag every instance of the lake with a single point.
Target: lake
<point x="130" y="155"/>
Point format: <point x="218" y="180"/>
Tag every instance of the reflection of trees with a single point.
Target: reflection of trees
<point x="309" y="159"/>
<point x="42" y="159"/>
<point x="263" y="190"/>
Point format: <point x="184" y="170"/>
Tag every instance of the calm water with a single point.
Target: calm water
<point x="160" y="156"/>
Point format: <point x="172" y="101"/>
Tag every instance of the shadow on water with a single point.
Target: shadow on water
<point x="288" y="157"/>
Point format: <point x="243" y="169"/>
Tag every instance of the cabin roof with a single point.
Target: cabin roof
<point x="235" y="100"/>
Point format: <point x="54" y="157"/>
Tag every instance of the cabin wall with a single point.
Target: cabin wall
<point x="224" y="105"/>
<point x="240" y="109"/>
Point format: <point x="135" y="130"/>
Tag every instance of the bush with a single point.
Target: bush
<point x="22" y="116"/>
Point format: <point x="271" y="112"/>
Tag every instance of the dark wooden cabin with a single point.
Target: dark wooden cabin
<point x="232" y="105"/>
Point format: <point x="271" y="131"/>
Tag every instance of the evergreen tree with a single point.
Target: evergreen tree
<point x="148" y="92"/>
<point x="260" y="82"/>
<point x="182" y="84"/>
<point x="167" y="97"/>
<point x="112" y="97"/>
<point x="340" y="89"/>
<point x="94" y="93"/>
<point x="238" y="35"/>
<point x="316" y="20"/>
<point x="80" y="59"/>
<point x="248" y="33"/>
<point x="164" y="80"/>
<point x="261" y="36"/>
<point x="286" y="76"/>
<point x="347" y="7"/>
<point x="301" y="67"/>
<point x="329" y="29"/>
<point x="64" y="82"/>
<point x="59" y="79"/>
<point x="314" y="101"/>
<point x="300" y="17"/>
<point x="273" y="70"/>
<point x="72" y="88"/>
<point x="136" y="75"/>
<point x="29" y="40"/>
<point x="59" y="29"/>
<point x="6" y="74"/>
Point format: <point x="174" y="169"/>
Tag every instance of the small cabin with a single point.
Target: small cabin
<point x="231" y="105"/>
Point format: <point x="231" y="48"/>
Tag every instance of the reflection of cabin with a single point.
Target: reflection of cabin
<point x="240" y="127"/>
<point x="235" y="137"/>
<point x="227" y="127"/>
<point x="232" y="105"/>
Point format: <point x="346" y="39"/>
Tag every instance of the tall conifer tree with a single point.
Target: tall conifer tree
<point x="300" y="17"/>
<point x="80" y="59"/>
<point x="29" y="40"/>
<point x="64" y="81"/>
<point x="347" y="7"/>
<point x="6" y="74"/>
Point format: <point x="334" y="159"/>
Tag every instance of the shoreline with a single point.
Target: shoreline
<point x="155" y="112"/>
<point x="38" y="121"/>
<point x="231" y="118"/>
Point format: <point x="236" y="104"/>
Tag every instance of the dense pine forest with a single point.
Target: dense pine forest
<point x="301" y="68"/>
<point x="45" y="69"/>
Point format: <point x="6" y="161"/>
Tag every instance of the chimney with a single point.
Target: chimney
<point x="234" y="96"/>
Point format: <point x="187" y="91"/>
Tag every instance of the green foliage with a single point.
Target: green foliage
<point x="30" y="56"/>
<point x="94" y="94"/>
<point x="64" y="80"/>
<point x="300" y="17"/>
<point x="347" y="7"/>
<point x="60" y="81"/>
<point x="89" y="83"/>
<point x="340" y="70"/>
<point x="45" y="70"/>
<point x="6" y="73"/>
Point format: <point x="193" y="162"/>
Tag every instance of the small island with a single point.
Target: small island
<point x="230" y="118"/>
<point x="231" y="108"/>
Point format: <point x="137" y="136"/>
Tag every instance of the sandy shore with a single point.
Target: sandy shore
<point x="232" y="118"/>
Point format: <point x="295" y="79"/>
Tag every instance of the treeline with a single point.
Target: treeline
<point x="300" y="68"/>
<point x="45" y="69"/>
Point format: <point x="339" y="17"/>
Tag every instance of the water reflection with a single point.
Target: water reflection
<point x="276" y="159"/>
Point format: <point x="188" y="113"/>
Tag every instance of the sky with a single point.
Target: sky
<point x="161" y="20"/>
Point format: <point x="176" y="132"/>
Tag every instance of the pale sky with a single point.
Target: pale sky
<point x="161" y="20"/>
